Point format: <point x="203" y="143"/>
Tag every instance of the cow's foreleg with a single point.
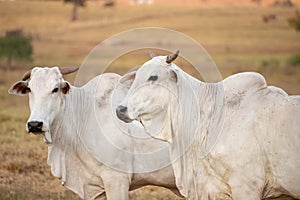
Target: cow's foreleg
<point x="94" y="192"/>
<point x="245" y="188"/>
<point x="116" y="186"/>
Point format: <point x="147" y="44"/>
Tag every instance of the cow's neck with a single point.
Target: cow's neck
<point x="196" y="122"/>
<point x="66" y="139"/>
<point x="197" y="113"/>
<point x="72" y="118"/>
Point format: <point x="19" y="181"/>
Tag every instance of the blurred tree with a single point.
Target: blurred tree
<point x="15" y="47"/>
<point x="295" y="21"/>
<point x="284" y="3"/>
<point x="109" y="3"/>
<point x="76" y="3"/>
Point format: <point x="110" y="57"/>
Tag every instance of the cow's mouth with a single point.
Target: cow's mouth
<point x="47" y="137"/>
<point x="38" y="127"/>
<point x="37" y="133"/>
<point x="125" y="118"/>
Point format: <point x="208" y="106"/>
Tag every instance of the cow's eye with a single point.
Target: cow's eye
<point x="153" y="78"/>
<point x="55" y="90"/>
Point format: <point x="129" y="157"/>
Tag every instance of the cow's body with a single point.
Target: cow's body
<point x="236" y="139"/>
<point x="256" y="155"/>
<point x="262" y="122"/>
<point x="88" y="151"/>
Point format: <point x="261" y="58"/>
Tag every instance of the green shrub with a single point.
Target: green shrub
<point x="294" y="60"/>
<point x="15" y="47"/>
<point x="272" y="62"/>
<point x="270" y="66"/>
<point x="295" y="21"/>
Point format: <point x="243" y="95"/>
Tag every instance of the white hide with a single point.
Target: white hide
<point x="236" y="139"/>
<point x="89" y="152"/>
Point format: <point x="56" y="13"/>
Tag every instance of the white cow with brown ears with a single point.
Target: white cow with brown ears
<point x="87" y="149"/>
<point x="235" y="139"/>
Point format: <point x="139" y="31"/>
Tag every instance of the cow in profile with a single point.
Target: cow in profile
<point x="234" y="139"/>
<point x="87" y="150"/>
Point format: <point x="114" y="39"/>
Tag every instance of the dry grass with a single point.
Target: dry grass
<point x="236" y="38"/>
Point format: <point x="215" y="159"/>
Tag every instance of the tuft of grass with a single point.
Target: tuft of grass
<point x="6" y="194"/>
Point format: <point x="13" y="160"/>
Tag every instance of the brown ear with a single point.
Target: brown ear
<point x="174" y="77"/>
<point x="20" y="88"/>
<point x="65" y="87"/>
<point x="127" y="79"/>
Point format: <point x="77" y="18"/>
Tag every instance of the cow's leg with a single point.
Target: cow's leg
<point x="94" y="192"/>
<point x="244" y="193"/>
<point x="116" y="185"/>
<point x="117" y="188"/>
<point x="246" y="188"/>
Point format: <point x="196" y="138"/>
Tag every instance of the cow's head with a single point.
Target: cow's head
<point x="151" y="90"/>
<point x="46" y="88"/>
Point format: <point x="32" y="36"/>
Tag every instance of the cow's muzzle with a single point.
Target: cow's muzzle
<point x="35" y="127"/>
<point x="122" y="114"/>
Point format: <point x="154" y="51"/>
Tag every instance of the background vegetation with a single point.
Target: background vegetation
<point x="15" y="47"/>
<point x="236" y="36"/>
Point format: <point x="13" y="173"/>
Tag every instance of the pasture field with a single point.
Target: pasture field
<point x="235" y="36"/>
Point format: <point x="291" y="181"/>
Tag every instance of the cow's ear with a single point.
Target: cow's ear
<point x="65" y="87"/>
<point x="127" y="79"/>
<point x="173" y="76"/>
<point x="19" y="88"/>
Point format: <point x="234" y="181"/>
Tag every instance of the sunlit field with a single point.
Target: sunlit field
<point x="235" y="36"/>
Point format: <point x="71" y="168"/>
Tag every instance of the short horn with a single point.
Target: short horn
<point x="152" y="54"/>
<point x="68" y="70"/>
<point x="27" y="75"/>
<point x="172" y="57"/>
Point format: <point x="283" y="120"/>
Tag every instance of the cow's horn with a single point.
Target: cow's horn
<point x="172" y="57"/>
<point x="27" y="75"/>
<point x="68" y="70"/>
<point x="152" y="54"/>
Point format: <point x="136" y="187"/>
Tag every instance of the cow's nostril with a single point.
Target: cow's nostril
<point x="29" y="126"/>
<point x="121" y="112"/>
<point x="35" y="126"/>
<point x="40" y="125"/>
<point x="121" y="109"/>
